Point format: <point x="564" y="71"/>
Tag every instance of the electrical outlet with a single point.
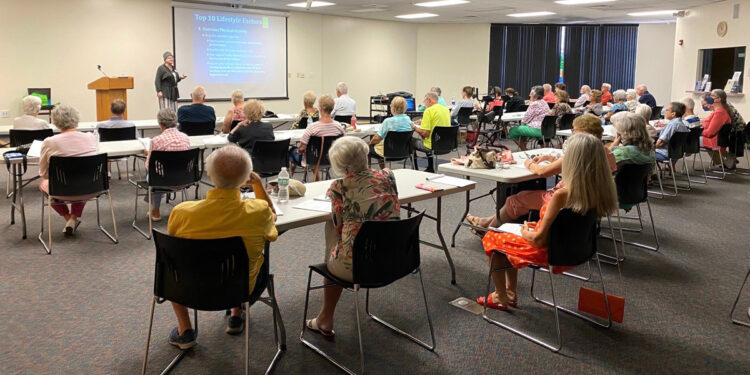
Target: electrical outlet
<point x="4" y="113"/>
<point x="300" y="75"/>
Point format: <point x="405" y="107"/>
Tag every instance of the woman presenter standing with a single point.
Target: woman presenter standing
<point x="166" y="83"/>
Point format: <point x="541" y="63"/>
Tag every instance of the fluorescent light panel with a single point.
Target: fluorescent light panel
<point x="531" y="14"/>
<point x="314" y="4"/>
<point x="653" y="13"/>
<point x="416" y="15"/>
<point x="579" y="2"/>
<point x="441" y="3"/>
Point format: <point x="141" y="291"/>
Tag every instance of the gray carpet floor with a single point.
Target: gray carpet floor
<point x="84" y="309"/>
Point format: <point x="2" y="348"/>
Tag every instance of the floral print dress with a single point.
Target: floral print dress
<point x="366" y="195"/>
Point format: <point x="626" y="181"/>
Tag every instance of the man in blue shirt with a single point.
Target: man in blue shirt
<point x="673" y="113"/>
<point x="645" y="96"/>
<point x="197" y="112"/>
<point x="116" y="121"/>
<point x="689" y="118"/>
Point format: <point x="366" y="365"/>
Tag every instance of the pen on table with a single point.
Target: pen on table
<point x="435" y="177"/>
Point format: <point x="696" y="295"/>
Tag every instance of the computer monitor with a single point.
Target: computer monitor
<point x="410" y="105"/>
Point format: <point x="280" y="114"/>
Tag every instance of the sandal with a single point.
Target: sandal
<point x="312" y="324"/>
<point x="491" y="304"/>
<point x="475" y="222"/>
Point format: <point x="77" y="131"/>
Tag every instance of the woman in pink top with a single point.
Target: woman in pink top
<point x="70" y="142"/>
<point x="713" y="123"/>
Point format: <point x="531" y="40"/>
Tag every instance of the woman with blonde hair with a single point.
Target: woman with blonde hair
<point x="588" y="187"/>
<point x="562" y="106"/>
<point x="310" y="114"/>
<point x="234" y="114"/>
<point x="595" y="103"/>
<point x="252" y="129"/>
<point x="360" y="194"/>
<point x="632" y="145"/>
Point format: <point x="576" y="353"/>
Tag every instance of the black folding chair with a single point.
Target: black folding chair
<point x="378" y="261"/>
<point x="197" y="128"/>
<point x="464" y="116"/>
<point x="675" y="152"/>
<point x="304" y="122"/>
<point x="21" y="138"/>
<point x="656" y="112"/>
<point x="168" y="172"/>
<point x="118" y="134"/>
<point x="345" y="120"/>
<point x="722" y="140"/>
<point x="571" y="242"/>
<point x="693" y="147"/>
<point x="566" y="122"/>
<point x="211" y="275"/>
<point x="444" y="141"/>
<point x="397" y="146"/>
<point x="631" y="181"/>
<point x="549" y="130"/>
<point x="71" y="176"/>
<point x="316" y="155"/>
<point x="270" y="156"/>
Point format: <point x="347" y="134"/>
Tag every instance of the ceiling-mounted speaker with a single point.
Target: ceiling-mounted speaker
<point x="736" y="11"/>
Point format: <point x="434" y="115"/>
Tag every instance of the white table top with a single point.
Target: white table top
<point x="609" y="132"/>
<point x="90" y="126"/>
<point x="406" y="180"/>
<point x="515" y="174"/>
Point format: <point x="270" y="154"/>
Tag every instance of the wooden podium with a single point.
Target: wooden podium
<point x="107" y="90"/>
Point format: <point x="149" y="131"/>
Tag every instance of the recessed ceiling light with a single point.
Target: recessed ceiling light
<point x="531" y="14"/>
<point x="313" y="4"/>
<point x="441" y="3"/>
<point x="653" y="13"/>
<point x="578" y="2"/>
<point x="416" y="15"/>
<point x="369" y="10"/>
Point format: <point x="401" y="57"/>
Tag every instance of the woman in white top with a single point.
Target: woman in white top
<point x="29" y="121"/>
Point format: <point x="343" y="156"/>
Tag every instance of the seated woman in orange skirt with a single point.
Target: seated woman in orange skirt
<point x="588" y="185"/>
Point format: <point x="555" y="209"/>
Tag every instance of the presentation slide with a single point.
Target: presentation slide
<point x="228" y="50"/>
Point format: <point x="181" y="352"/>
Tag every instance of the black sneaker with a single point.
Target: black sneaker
<point x="184" y="341"/>
<point x="235" y="324"/>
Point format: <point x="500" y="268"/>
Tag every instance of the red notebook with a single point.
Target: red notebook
<point x="592" y="302"/>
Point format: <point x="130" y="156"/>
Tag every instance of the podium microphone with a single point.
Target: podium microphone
<point x="99" y="67"/>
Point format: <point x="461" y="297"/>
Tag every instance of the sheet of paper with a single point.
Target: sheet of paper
<point x="447" y="180"/>
<point x="251" y="195"/>
<point x="146" y="142"/>
<point x="35" y="150"/>
<point x="508" y="228"/>
<point x="314" y="205"/>
<point x="217" y="139"/>
<point x="323" y="198"/>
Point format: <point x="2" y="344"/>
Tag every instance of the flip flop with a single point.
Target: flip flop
<point x="490" y="304"/>
<point x="473" y="221"/>
<point x="312" y="324"/>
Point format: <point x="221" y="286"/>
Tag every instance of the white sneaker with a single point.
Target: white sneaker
<point x="69" y="227"/>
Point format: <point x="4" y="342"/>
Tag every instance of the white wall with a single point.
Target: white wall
<point x="654" y="60"/>
<point x="698" y="31"/>
<point x="452" y="56"/>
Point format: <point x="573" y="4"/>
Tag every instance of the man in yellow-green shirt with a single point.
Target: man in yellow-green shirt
<point x="224" y="214"/>
<point x="434" y="115"/>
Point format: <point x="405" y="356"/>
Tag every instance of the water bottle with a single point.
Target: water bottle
<point x="453" y="102"/>
<point x="354" y="122"/>
<point x="283" y="181"/>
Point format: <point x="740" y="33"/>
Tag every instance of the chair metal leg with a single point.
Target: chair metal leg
<point x="398" y="330"/>
<point x="703" y="166"/>
<point x="723" y="171"/>
<point x="246" y="307"/>
<point x="617" y="259"/>
<point x="653" y="227"/>
<point x="135" y="214"/>
<point x="278" y="325"/>
<point x="359" y="329"/>
<point x="48" y="244"/>
<point x="114" y="223"/>
<point x="527" y="336"/>
<point x="736" y="300"/>
<point x="148" y="335"/>
<point x="659" y="194"/>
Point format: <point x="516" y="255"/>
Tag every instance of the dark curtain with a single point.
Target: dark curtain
<point x="522" y="56"/>
<point x="595" y="54"/>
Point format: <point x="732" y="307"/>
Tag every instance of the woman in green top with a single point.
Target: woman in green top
<point x="633" y="144"/>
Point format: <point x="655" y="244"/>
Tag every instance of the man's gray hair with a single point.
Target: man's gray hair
<point x="65" y="117"/>
<point x="432" y="95"/>
<point x="229" y="167"/>
<point x="631" y="93"/>
<point x="619" y="95"/>
<point x="348" y="154"/>
<point x="342" y="88"/>
<point x="607" y="85"/>
<point x="436" y="90"/>
<point x="547" y="87"/>
<point x="31" y="105"/>
<point x="688" y="102"/>
<point x="167" y="118"/>
<point x="199" y="93"/>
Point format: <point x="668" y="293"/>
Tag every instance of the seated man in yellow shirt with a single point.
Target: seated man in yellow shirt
<point x="434" y="115"/>
<point x="224" y="214"/>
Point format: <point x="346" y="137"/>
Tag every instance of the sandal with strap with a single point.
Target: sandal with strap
<point x="312" y="324"/>
<point x="491" y="304"/>
<point x="473" y="220"/>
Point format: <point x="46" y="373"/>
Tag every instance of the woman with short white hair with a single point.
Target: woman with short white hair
<point x="31" y="106"/>
<point x="618" y="97"/>
<point x="70" y="142"/>
<point x="234" y="114"/>
<point x="361" y="194"/>
<point x="631" y="99"/>
<point x="585" y="96"/>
